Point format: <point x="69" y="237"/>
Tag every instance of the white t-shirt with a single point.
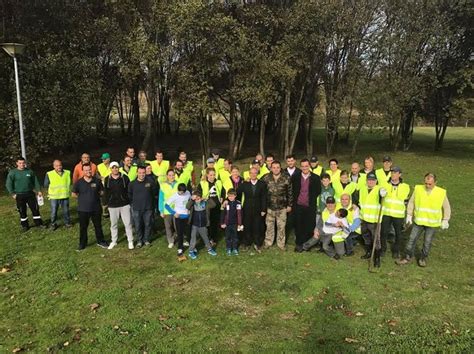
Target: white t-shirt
<point x="329" y="227"/>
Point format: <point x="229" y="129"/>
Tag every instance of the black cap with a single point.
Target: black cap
<point x="387" y="158"/>
<point x="330" y="200"/>
<point x="313" y="159"/>
<point x="371" y="175"/>
<point x="255" y="162"/>
<point x="396" y="169"/>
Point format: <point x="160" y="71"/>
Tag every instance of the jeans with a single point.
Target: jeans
<point x="124" y="214"/>
<point x="84" y="218"/>
<point x="64" y="204"/>
<point x="387" y="223"/>
<point x="368" y="233"/>
<point x="231" y="237"/>
<point x="142" y="221"/>
<point x="202" y="231"/>
<point x="416" y="231"/>
<point x="350" y="242"/>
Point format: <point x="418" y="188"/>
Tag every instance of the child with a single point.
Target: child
<point x="338" y="227"/>
<point x="231" y="221"/>
<point x="199" y="210"/>
<point x="181" y="215"/>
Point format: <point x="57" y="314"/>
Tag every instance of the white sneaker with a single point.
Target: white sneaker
<point x="186" y="244"/>
<point x="112" y="245"/>
<point x="130" y="245"/>
<point x="170" y="245"/>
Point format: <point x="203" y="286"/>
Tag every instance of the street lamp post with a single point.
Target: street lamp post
<point x="13" y="49"/>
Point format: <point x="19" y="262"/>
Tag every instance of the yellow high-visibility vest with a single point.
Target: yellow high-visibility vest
<point x="166" y="191"/>
<point x="59" y="185"/>
<point x="189" y="167"/>
<point x="394" y="202"/>
<point x="205" y="188"/>
<point x="350" y="215"/>
<point x="103" y="170"/>
<point x="318" y="170"/>
<point x="219" y="164"/>
<point x="184" y="177"/>
<point x="132" y="173"/>
<point x="261" y="173"/>
<point x="335" y="176"/>
<point x="382" y="178"/>
<point x="369" y="204"/>
<point x="160" y="170"/>
<point x="429" y="206"/>
<point x="350" y="188"/>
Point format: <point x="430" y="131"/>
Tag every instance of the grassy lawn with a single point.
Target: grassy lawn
<point x="147" y="301"/>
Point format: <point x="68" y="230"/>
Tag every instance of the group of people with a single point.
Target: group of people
<point x="330" y="208"/>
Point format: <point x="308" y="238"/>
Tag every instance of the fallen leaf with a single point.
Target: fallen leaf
<point x="358" y="314"/>
<point x="163" y="318"/>
<point x="5" y="269"/>
<point x="392" y="323"/>
<point x="94" y="306"/>
<point x="65" y="344"/>
<point x="392" y="333"/>
<point x="350" y="340"/>
<point x="17" y="350"/>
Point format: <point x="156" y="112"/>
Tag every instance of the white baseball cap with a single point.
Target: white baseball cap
<point x="115" y="163"/>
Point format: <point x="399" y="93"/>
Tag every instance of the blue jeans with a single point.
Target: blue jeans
<point x="350" y="240"/>
<point x="416" y="231"/>
<point x="64" y="204"/>
<point x="143" y="221"/>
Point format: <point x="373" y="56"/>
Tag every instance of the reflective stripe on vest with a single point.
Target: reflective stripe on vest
<point x="428" y="207"/>
<point x="369" y="204"/>
<point x="394" y="202"/>
<point x="205" y="189"/>
<point x="59" y="185"/>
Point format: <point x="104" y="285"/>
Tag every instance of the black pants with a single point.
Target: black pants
<point x="28" y="199"/>
<point x="231" y="237"/>
<point x="253" y="227"/>
<point x="368" y="233"/>
<point x="181" y="227"/>
<point x="214" y="221"/>
<point x="84" y="218"/>
<point x="387" y="222"/>
<point x="304" y="224"/>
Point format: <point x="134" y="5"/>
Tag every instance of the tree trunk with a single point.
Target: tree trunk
<point x="263" y="122"/>
<point x="285" y="123"/>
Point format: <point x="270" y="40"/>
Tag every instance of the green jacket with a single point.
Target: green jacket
<point x="23" y="181"/>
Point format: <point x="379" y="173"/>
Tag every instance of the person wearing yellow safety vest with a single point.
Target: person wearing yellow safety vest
<point x="334" y="171"/>
<point x="130" y="152"/>
<point x="428" y="209"/>
<point x="167" y="189"/>
<point x="393" y="211"/>
<point x="182" y="175"/>
<point x="210" y="163"/>
<point x="219" y="161"/>
<point x="233" y="181"/>
<point x="368" y="167"/>
<point x="187" y="166"/>
<point x="369" y="202"/>
<point x="58" y="183"/>
<point x="129" y="169"/>
<point x="160" y="166"/>
<point x="315" y="166"/>
<point x="353" y="218"/>
<point x="337" y="228"/>
<point x="383" y="174"/>
<point x="319" y="237"/>
<point x="103" y="169"/>
<point x="260" y="171"/>
<point x="226" y="171"/>
<point x="211" y="188"/>
<point x="345" y="186"/>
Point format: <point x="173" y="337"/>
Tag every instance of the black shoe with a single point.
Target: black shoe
<point x="42" y="226"/>
<point x="103" y="244"/>
<point x="79" y="249"/>
<point x="377" y="261"/>
<point x="349" y="254"/>
<point x="299" y="249"/>
<point x="25" y="228"/>
<point x="337" y="257"/>
<point x="53" y="227"/>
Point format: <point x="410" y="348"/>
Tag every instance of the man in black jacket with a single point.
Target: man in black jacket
<point x="141" y="193"/>
<point x="116" y="198"/>
<point x="306" y="189"/>
<point x="254" y="194"/>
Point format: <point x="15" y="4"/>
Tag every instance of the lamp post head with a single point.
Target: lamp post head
<point x="13" y="49"/>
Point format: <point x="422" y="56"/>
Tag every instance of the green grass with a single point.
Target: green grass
<point x="270" y="302"/>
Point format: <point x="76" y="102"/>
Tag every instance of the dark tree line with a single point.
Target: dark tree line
<point x="156" y="67"/>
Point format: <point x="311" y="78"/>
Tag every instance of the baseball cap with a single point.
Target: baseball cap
<point x="313" y="159"/>
<point x="387" y="158"/>
<point x="255" y="162"/>
<point x="105" y="156"/>
<point x="330" y="200"/>
<point x="396" y="169"/>
<point x="114" y="163"/>
<point x="211" y="160"/>
<point x="371" y="175"/>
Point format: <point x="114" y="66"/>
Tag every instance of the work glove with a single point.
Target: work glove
<point x="444" y="225"/>
<point x="383" y="192"/>
<point x="240" y="228"/>
<point x="409" y="220"/>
